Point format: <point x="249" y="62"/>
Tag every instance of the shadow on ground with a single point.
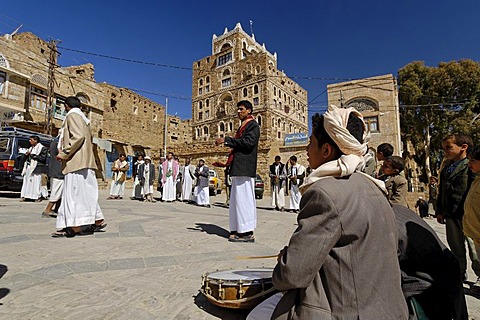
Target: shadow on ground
<point x="9" y="194"/>
<point x="223" y="313"/>
<point x="211" y="229"/>
<point x="3" y="291"/>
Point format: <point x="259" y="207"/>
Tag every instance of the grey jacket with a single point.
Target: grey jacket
<point x="341" y="262"/>
<point x="202" y="176"/>
<point x="141" y="170"/>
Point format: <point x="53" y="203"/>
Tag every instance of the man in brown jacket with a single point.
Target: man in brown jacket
<point x="341" y="261"/>
<point x="79" y="205"/>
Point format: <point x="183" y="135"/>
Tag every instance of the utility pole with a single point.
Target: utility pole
<point x="166" y="129"/>
<point x="52" y="64"/>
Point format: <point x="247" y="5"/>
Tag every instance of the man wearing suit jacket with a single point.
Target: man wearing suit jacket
<point x="455" y="181"/>
<point x="341" y="261"/>
<point x="278" y="178"/>
<point x="242" y="163"/>
<point x="201" y="189"/>
<point x="79" y="205"/>
<point x="430" y="272"/>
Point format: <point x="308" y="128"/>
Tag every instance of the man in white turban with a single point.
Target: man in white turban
<point x="341" y="261"/>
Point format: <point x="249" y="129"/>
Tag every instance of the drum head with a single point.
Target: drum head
<point x="245" y="275"/>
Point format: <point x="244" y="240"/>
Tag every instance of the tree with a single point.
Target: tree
<point x="435" y="101"/>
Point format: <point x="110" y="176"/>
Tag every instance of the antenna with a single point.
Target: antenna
<point x="251" y="27"/>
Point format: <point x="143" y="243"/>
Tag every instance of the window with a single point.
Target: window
<point x="221" y="127"/>
<point x="371" y="123"/>
<point x="38" y="98"/>
<point x="3" y="80"/>
<point x="255" y="89"/>
<point x="255" y="101"/>
<point x="274" y="91"/>
<point x="224" y="59"/>
<point x="207" y="88"/>
<point x="226" y="82"/>
<point x="200" y="82"/>
<point x="199" y="91"/>
<point x="279" y="135"/>
<point x="207" y="114"/>
<point x="245" y="92"/>
<point x="259" y="120"/>
<point x="200" y="115"/>
<point x="200" y="105"/>
<point x="155" y="118"/>
<point x="226" y="72"/>
<point x="273" y="122"/>
<point x="207" y="79"/>
<point x="205" y="130"/>
<point x="230" y="126"/>
<point x="207" y="103"/>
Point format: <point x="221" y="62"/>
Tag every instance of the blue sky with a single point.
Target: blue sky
<point x="313" y="39"/>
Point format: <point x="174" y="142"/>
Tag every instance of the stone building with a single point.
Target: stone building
<point x="121" y="120"/>
<point x="377" y="99"/>
<point x="240" y="68"/>
<point x="178" y="131"/>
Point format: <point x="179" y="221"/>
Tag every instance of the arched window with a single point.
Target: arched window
<point x="207" y="103"/>
<point x="290" y="128"/>
<point x="279" y="123"/>
<point x="200" y="105"/>
<point x="200" y="82"/>
<point x="198" y="132"/>
<point x="83" y="97"/>
<point x="245" y="92"/>
<point x="226" y="72"/>
<point x="259" y="120"/>
<point x="273" y="122"/>
<point x="207" y="79"/>
<point x="255" y="89"/>
<point x="274" y="91"/>
<point x="205" y="130"/>
<point x="221" y="127"/>
<point x="230" y="126"/>
<point x="275" y="103"/>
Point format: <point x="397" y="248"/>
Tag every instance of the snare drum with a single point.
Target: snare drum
<point x="238" y="289"/>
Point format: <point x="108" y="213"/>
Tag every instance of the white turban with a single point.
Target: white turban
<point x="335" y="123"/>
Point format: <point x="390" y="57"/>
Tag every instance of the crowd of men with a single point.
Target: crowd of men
<point x="358" y="252"/>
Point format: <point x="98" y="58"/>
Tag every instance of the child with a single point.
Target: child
<point x="396" y="184"/>
<point x="384" y="151"/>
<point x="471" y="218"/>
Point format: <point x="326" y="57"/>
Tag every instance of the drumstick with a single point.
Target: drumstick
<point x="255" y="257"/>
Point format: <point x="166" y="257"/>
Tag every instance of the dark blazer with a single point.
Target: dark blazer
<point x="202" y="176"/>
<point x="430" y="272"/>
<point x="151" y="176"/>
<point x="452" y="190"/>
<point x="341" y="261"/>
<point x="54" y="165"/>
<point x="281" y="175"/>
<point x="245" y="151"/>
<point x="41" y="161"/>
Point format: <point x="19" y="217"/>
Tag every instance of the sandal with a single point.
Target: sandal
<point x="70" y="233"/>
<point x="98" y="227"/>
<point x="248" y="238"/>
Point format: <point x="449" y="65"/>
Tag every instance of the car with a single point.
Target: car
<point x="259" y="187"/>
<point x="13" y="145"/>
<point x="214" y="183"/>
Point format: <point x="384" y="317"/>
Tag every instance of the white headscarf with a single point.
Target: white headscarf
<point x="335" y="123"/>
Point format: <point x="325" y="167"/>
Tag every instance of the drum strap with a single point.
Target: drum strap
<point x="258" y="295"/>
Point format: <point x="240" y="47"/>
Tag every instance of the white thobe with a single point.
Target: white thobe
<point x="79" y="204"/>
<point x="242" y="210"/>
<point x="32" y="183"/>
<point x="278" y="193"/>
<point x="295" y="195"/>
<point x="147" y="188"/>
<point x="187" y="184"/>
<point x="170" y="187"/>
<point x="203" y="195"/>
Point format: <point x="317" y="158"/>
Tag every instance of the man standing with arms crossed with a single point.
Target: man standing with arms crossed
<point x="243" y="168"/>
<point x="79" y="205"/>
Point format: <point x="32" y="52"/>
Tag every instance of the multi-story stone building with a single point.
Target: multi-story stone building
<point x="240" y="68"/>
<point x="121" y="120"/>
<point x="178" y="131"/>
<point x="377" y="99"/>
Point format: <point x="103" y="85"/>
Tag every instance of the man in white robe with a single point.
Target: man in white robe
<point x="296" y="174"/>
<point x="79" y="205"/>
<point x="201" y="189"/>
<point x="169" y="178"/>
<point x="119" y="168"/>
<point x="277" y="177"/>
<point x="34" y="167"/>
<point x="137" y="190"/>
<point x="146" y="174"/>
<point x="188" y="177"/>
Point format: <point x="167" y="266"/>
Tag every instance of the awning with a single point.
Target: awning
<point x="19" y="74"/>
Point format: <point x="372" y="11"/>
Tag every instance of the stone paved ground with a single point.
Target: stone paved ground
<point x="147" y="265"/>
